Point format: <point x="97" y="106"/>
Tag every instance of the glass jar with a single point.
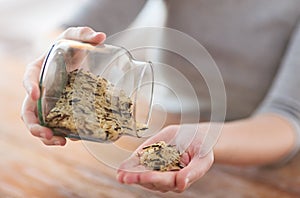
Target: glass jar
<point x="96" y="93"/>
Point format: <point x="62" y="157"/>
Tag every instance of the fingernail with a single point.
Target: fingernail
<point x="43" y="135"/>
<point x="95" y="34"/>
<point x="119" y="177"/>
<point x="30" y="91"/>
<point x="57" y="142"/>
<point x="186" y="181"/>
<point x="101" y="33"/>
<point x="126" y="180"/>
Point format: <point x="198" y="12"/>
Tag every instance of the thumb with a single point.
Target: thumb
<point x="85" y="34"/>
<point x="31" y="78"/>
<point x="193" y="171"/>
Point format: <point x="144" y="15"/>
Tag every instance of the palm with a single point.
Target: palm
<point x="188" y="139"/>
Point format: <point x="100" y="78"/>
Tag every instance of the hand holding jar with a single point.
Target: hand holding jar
<point x="31" y="84"/>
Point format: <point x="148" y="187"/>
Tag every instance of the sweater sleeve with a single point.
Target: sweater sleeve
<point x="109" y="16"/>
<point x="284" y="95"/>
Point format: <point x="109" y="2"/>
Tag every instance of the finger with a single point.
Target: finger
<point x="185" y="159"/>
<point x="84" y="34"/>
<point x="130" y="164"/>
<point x="40" y="131"/>
<point x="148" y="186"/>
<point x="153" y="188"/>
<point x="162" y="181"/>
<point x="55" y="141"/>
<point x="126" y="177"/>
<point x="193" y="171"/>
<point x="31" y="78"/>
<point x="31" y="121"/>
<point x="129" y="170"/>
<point x="74" y="139"/>
<point x="130" y="178"/>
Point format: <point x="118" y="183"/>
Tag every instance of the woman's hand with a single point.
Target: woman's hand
<point x="31" y="85"/>
<point x="188" y="139"/>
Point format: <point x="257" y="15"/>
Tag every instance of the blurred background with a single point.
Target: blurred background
<point x="24" y="23"/>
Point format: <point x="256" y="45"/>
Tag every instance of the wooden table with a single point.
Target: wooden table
<point x="30" y="169"/>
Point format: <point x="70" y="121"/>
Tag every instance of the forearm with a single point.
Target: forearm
<point x="260" y="140"/>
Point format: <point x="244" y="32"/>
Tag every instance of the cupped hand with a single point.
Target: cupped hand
<point x="188" y="139"/>
<point x="31" y="85"/>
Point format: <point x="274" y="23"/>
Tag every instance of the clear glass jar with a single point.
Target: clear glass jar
<point x="96" y="93"/>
